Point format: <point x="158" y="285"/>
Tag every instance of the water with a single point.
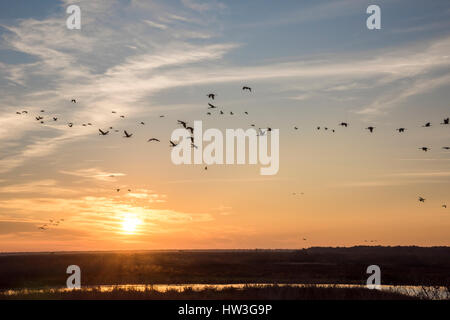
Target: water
<point x="435" y="293"/>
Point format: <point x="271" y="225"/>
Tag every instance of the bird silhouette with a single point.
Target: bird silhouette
<point x="190" y="129"/>
<point x="424" y="149"/>
<point x="74" y="101"/>
<point x="343" y="124"/>
<point x="446" y="148"/>
<point x="401" y="130"/>
<point x="370" y="129"/>
<point x="446" y="121"/>
<point x="113" y="111"/>
<point x="211" y="106"/>
<point x="427" y="125"/>
<point x="70" y="124"/>
<point x="231" y="113"/>
<point x="153" y="139"/>
<point x="122" y="116"/>
<point x="173" y="144"/>
<point x="103" y="133"/>
<point x="208" y="113"/>
<point x="25" y="111"/>
<point x="444" y="206"/>
<point x="211" y="95"/>
<point x="422" y="199"/>
<point x="127" y="135"/>
<point x="295" y="128"/>
<point x="183" y="123"/>
<point x="142" y="122"/>
<point x="245" y="112"/>
<point x="55" y="119"/>
<point x="246" y="88"/>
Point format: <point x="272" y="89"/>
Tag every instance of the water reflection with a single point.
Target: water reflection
<point x="428" y="292"/>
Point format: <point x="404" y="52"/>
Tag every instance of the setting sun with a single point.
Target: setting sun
<point x="130" y="224"/>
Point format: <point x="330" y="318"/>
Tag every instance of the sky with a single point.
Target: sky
<point x="309" y="64"/>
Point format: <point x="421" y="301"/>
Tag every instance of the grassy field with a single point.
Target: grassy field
<point x="399" y="266"/>
<point x="247" y="293"/>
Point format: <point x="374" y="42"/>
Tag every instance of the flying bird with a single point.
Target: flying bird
<point x="446" y="121"/>
<point x="74" y="101"/>
<point x="183" y="123"/>
<point x="422" y="199"/>
<point x="103" y="133"/>
<point x="190" y="129"/>
<point x="211" y="106"/>
<point x="153" y="139"/>
<point x="127" y="135"/>
<point x="246" y="88"/>
<point x="245" y="112"/>
<point x="211" y="95"/>
<point x="427" y="125"/>
<point x="343" y="124"/>
<point x="55" y="119"/>
<point x="446" y="148"/>
<point x="444" y="206"/>
<point x="424" y="149"/>
<point x="70" y="124"/>
<point x="173" y="144"/>
<point x="401" y="130"/>
<point x="295" y="128"/>
<point x="142" y="122"/>
<point x="370" y="129"/>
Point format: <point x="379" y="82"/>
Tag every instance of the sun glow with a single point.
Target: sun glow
<point x="130" y="224"/>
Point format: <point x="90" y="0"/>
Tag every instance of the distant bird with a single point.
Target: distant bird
<point x="326" y="128"/>
<point x="113" y="111"/>
<point x="190" y="129"/>
<point x="122" y="116"/>
<point x="129" y="190"/>
<point x="117" y="190"/>
<point x="142" y="122"/>
<point x="173" y="144"/>
<point x="231" y="113"/>
<point x="401" y="130"/>
<point x="194" y="146"/>
<point x="183" y="123"/>
<point x="295" y="128"/>
<point x="211" y="106"/>
<point x="153" y="139"/>
<point x="211" y="95"/>
<point x="444" y="206"/>
<point x="446" y="121"/>
<point x="162" y="116"/>
<point x="446" y="148"/>
<point x="206" y="168"/>
<point x="261" y="132"/>
<point x="84" y="124"/>
<point x="427" y="125"/>
<point x="127" y="135"/>
<point x="318" y="128"/>
<point x="74" y="101"/>
<point x="343" y="124"/>
<point x="370" y="129"/>
<point x="208" y="113"/>
<point x="70" y="124"/>
<point x="17" y="112"/>
<point x="304" y="239"/>
<point x="42" y="110"/>
<point x="39" y="118"/>
<point x="221" y="112"/>
<point x="422" y="199"/>
<point x="24" y="111"/>
<point x="245" y="112"/>
<point x="89" y="124"/>
<point x="103" y="133"/>
<point x="424" y="149"/>
<point x="55" y="119"/>
<point x="247" y="88"/>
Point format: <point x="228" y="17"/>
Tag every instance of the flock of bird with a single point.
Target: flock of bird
<point x="50" y="223"/>
<point x="213" y="108"/>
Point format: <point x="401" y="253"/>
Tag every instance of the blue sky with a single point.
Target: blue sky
<point x="310" y="63"/>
